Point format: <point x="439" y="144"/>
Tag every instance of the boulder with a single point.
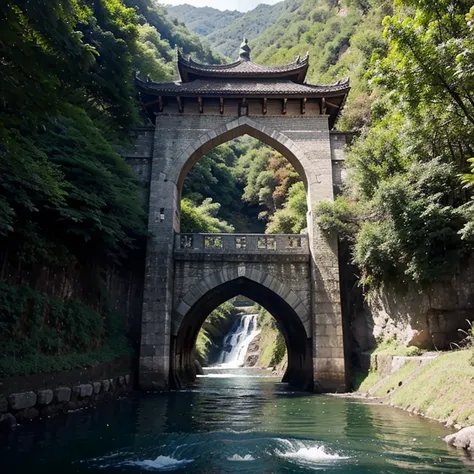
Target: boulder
<point x="121" y="381"/>
<point x="20" y="401"/>
<point x="32" y="414"/>
<point x="3" y="405"/>
<point x="7" y="421"/>
<point x="127" y="379"/>
<point x="463" y="439"/>
<point x="83" y="390"/>
<point x="105" y="385"/>
<point x="96" y="387"/>
<point x="62" y="394"/>
<point x="45" y="397"/>
<point x="198" y="368"/>
<point x="112" y="385"/>
<point x="49" y="410"/>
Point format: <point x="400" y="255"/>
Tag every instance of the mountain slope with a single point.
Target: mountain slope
<point x="205" y="20"/>
<point x="224" y="31"/>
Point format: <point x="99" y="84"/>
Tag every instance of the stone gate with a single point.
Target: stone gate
<point x="295" y="277"/>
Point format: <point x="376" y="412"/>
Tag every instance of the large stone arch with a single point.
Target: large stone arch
<point x="180" y="140"/>
<point x="177" y="169"/>
<point x="285" y="306"/>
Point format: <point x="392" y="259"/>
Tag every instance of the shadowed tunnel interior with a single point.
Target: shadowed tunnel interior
<point x="299" y="371"/>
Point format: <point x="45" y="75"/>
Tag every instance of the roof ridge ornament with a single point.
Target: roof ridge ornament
<point x="245" y="50"/>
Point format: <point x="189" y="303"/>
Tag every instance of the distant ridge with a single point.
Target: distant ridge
<point x="224" y="30"/>
<point x="203" y="20"/>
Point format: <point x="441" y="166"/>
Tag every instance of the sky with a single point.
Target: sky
<point x="241" y="5"/>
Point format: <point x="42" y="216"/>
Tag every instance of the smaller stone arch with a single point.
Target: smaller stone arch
<point x="286" y="307"/>
<point x="228" y="274"/>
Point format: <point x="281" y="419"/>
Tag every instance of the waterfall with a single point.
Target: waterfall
<point x="237" y="341"/>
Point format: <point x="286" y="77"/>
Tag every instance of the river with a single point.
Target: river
<point x="238" y="421"/>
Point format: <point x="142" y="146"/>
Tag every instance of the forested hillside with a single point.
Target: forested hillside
<point x="70" y="208"/>
<point x="205" y="20"/>
<point x="225" y="36"/>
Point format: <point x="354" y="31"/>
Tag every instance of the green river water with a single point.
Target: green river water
<point x="232" y="423"/>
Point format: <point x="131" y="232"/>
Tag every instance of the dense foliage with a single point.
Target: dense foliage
<point x="406" y="212"/>
<point x="414" y="217"/>
<point x="66" y="196"/>
<point x="40" y="333"/>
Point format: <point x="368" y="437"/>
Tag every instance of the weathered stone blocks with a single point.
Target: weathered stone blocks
<point x="96" y="386"/>
<point x="45" y="397"/>
<point x="105" y="385"/>
<point x="7" y="421"/>
<point x="83" y="390"/>
<point x="21" y="401"/>
<point x="62" y="394"/>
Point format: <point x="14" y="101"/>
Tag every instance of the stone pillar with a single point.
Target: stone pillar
<point x="328" y="344"/>
<point x="158" y="290"/>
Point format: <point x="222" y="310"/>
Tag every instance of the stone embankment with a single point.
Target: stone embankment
<point x="29" y="405"/>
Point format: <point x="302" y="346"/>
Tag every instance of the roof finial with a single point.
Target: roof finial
<point x="245" y="50"/>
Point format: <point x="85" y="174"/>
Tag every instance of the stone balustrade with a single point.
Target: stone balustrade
<point x="242" y="243"/>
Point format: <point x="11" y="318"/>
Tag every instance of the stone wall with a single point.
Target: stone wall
<point x="44" y="395"/>
<point x="428" y="319"/>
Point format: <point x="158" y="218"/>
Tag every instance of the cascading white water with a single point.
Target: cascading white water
<point x="237" y="341"/>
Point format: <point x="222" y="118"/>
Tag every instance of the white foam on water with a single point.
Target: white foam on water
<point x="301" y="452"/>
<point x="162" y="463"/>
<point x="316" y="453"/>
<point x="236" y="457"/>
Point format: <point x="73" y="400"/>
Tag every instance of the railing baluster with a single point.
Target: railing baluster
<point x="244" y="243"/>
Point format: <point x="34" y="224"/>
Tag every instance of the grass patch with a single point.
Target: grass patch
<point x="394" y="348"/>
<point x="40" y="363"/>
<point x="366" y="384"/>
<point x="443" y="389"/>
<point x="272" y="344"/>
<point x="392" y="382"/>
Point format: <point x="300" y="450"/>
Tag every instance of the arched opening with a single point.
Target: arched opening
<point x="183" y="340"/>
<point x="243" y="186"/>
<point x="241" y="334"/>
<point x="287" y="160"/>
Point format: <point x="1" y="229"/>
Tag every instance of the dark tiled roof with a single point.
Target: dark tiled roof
<point x="244" y="87"/>
<point x="242" y="66"/>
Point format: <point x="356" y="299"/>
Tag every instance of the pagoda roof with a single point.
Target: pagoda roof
<point x="242" y="68"/>
<point x="244" y="79"/>
<point x="237" y="88"/>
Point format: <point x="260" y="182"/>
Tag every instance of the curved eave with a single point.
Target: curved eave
<point x="187" y="90"/>
<point x="190" y="70"/>
<point x="335" y="95"/>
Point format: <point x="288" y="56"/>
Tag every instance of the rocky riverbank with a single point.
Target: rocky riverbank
<point x="267" y="350"/>
<point x="25" y="398"/>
